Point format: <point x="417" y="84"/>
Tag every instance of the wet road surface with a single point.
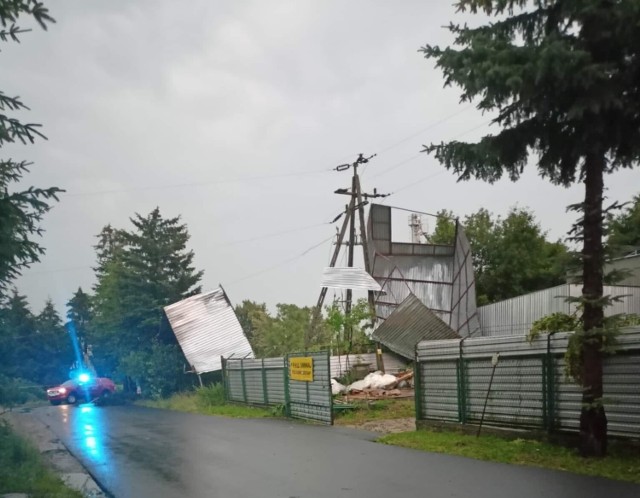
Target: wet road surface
<point x="141" y="452"/>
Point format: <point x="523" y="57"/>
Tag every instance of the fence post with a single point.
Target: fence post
<point x="417" y="387"/>
<point x="223" y="362"/>
<point x="244" y="384"/>
<point x="462" y="387"/>
<point x="550" y="386"/>
<point x="287" y="399"/>
<point x="265" y="394"/>
<point x="545" y="392"/>
<point x="328" y="355"/>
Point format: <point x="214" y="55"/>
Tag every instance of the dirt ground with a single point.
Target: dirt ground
<point x="387" y="426"/>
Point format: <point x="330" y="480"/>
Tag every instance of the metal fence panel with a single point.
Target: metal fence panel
<point x="530" y="388"/>
<point x="255" y="381"/>
<point x="621" y="378"/>
<point x="439" y="390"/>
<point x="312" y="400"/>
<point x="515" y="397"/>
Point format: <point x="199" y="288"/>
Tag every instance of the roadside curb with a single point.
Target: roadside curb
<point x="55" y="453"/>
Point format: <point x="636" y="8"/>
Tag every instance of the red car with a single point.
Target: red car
<point x="74" y="390"/>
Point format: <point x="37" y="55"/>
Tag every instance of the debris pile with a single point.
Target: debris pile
<point x="377" y="385"/>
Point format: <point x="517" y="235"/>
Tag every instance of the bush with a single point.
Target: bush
<point x="211" y="395"/>
<point x="18" y="391"/>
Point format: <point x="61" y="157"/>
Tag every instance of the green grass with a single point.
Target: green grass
<point x="384" y="409"/>
<point x="208" y="400"/>
<point x="22" y="469"/>
<point x="623" y="463"/>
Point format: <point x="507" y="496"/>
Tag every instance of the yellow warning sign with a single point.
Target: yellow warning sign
<point x="301" y="368"/>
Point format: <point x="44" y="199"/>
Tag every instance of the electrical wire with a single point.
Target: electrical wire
<point x="275" y="234"/>
<point x="412" y="184"/>
<point x="418" y="133"/>
<point x="196" y="184"/>
<point x="282" y="263"/>
<point x="261" y="237"/>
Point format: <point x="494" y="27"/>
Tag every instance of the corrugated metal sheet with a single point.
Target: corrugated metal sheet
<point x="439" y="388"/>
<point x="517" y="396"/>
<point x="409" y="324"/>
<point x="515" y="316"/>
<point x="313" y="400"/>
<point x="464" y="316"/>
<point x="207" y="328"/>
<point x="348" y="278"/>
<point x="440" y="276"/>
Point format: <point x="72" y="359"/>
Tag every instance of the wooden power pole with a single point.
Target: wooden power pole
<point x="354" y="209"/>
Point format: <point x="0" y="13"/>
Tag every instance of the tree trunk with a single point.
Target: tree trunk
<point x="593" y="420"/>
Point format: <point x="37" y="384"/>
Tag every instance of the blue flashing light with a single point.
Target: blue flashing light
<point x="84" y="377"/>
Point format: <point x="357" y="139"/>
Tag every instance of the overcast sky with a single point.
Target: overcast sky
<point x="231" y="114"/>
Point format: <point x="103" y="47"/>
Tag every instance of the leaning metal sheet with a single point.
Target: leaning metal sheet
<point x="207" y="328"/>
<point x="348" y="278"/>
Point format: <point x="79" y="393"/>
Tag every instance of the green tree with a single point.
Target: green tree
<point x="18" y="328"/>
<point x="21" y="210"/>
<point x="520" y="259"/>
<point x="349" y="332"/>
<point x="623" y="234"/>
<point x="139" y="272"/>
<point x="252" y="316"/>
<point x="285" y="333"/>
<point x="52" y="351"/>
<point x="511" y="256"/>
<point x="445" y="231"/>
<point x="79" y="312"/>
<point x="562" y="78"/>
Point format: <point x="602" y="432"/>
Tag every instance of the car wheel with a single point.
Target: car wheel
<point x="55" y="402"/>
<point x="72" y="399"/>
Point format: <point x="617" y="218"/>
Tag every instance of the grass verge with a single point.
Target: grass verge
<point x="623" y="463"/>
<point x="22" y="469"/>
<point x="208" y="400"/>
<point x="384" y="409"/>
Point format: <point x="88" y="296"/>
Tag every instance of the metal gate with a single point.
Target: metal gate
<point x="309" y="387"/>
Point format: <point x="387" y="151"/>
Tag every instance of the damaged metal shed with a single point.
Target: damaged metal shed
<point x="440" y="276"/>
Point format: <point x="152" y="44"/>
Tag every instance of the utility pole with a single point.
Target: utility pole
<point x="355" y="208"/>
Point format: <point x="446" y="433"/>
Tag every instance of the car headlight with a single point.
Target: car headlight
<point x="62" y="390"/>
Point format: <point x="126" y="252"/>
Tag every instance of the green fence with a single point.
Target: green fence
<point x="456" y="381"/>
<point x="267" y="382"/>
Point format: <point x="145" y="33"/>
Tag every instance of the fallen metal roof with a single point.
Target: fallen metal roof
<point x="410" y="323"/>
<point x="348" y="278"/>
<point x="207" y="328"/>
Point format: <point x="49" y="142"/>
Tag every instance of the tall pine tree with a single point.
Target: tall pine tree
<point x="563" y="79"/>
<point x="21" y="210"/>
<point x="139" y="272"/>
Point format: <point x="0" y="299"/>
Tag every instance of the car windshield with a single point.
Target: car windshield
<point x="69" y="383"/>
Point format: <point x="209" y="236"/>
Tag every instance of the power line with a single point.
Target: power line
<point x="282" y="263"/>
<point x="412" y="184"/>
<point x="427" y="128"/>
<point x="418" y="133"/>
<point x="397" y="165"/>
<point x="275" y="234"/>
<point x="196" y="184"/>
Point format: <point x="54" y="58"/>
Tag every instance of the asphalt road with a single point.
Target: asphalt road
<point x="140" y="452"/>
